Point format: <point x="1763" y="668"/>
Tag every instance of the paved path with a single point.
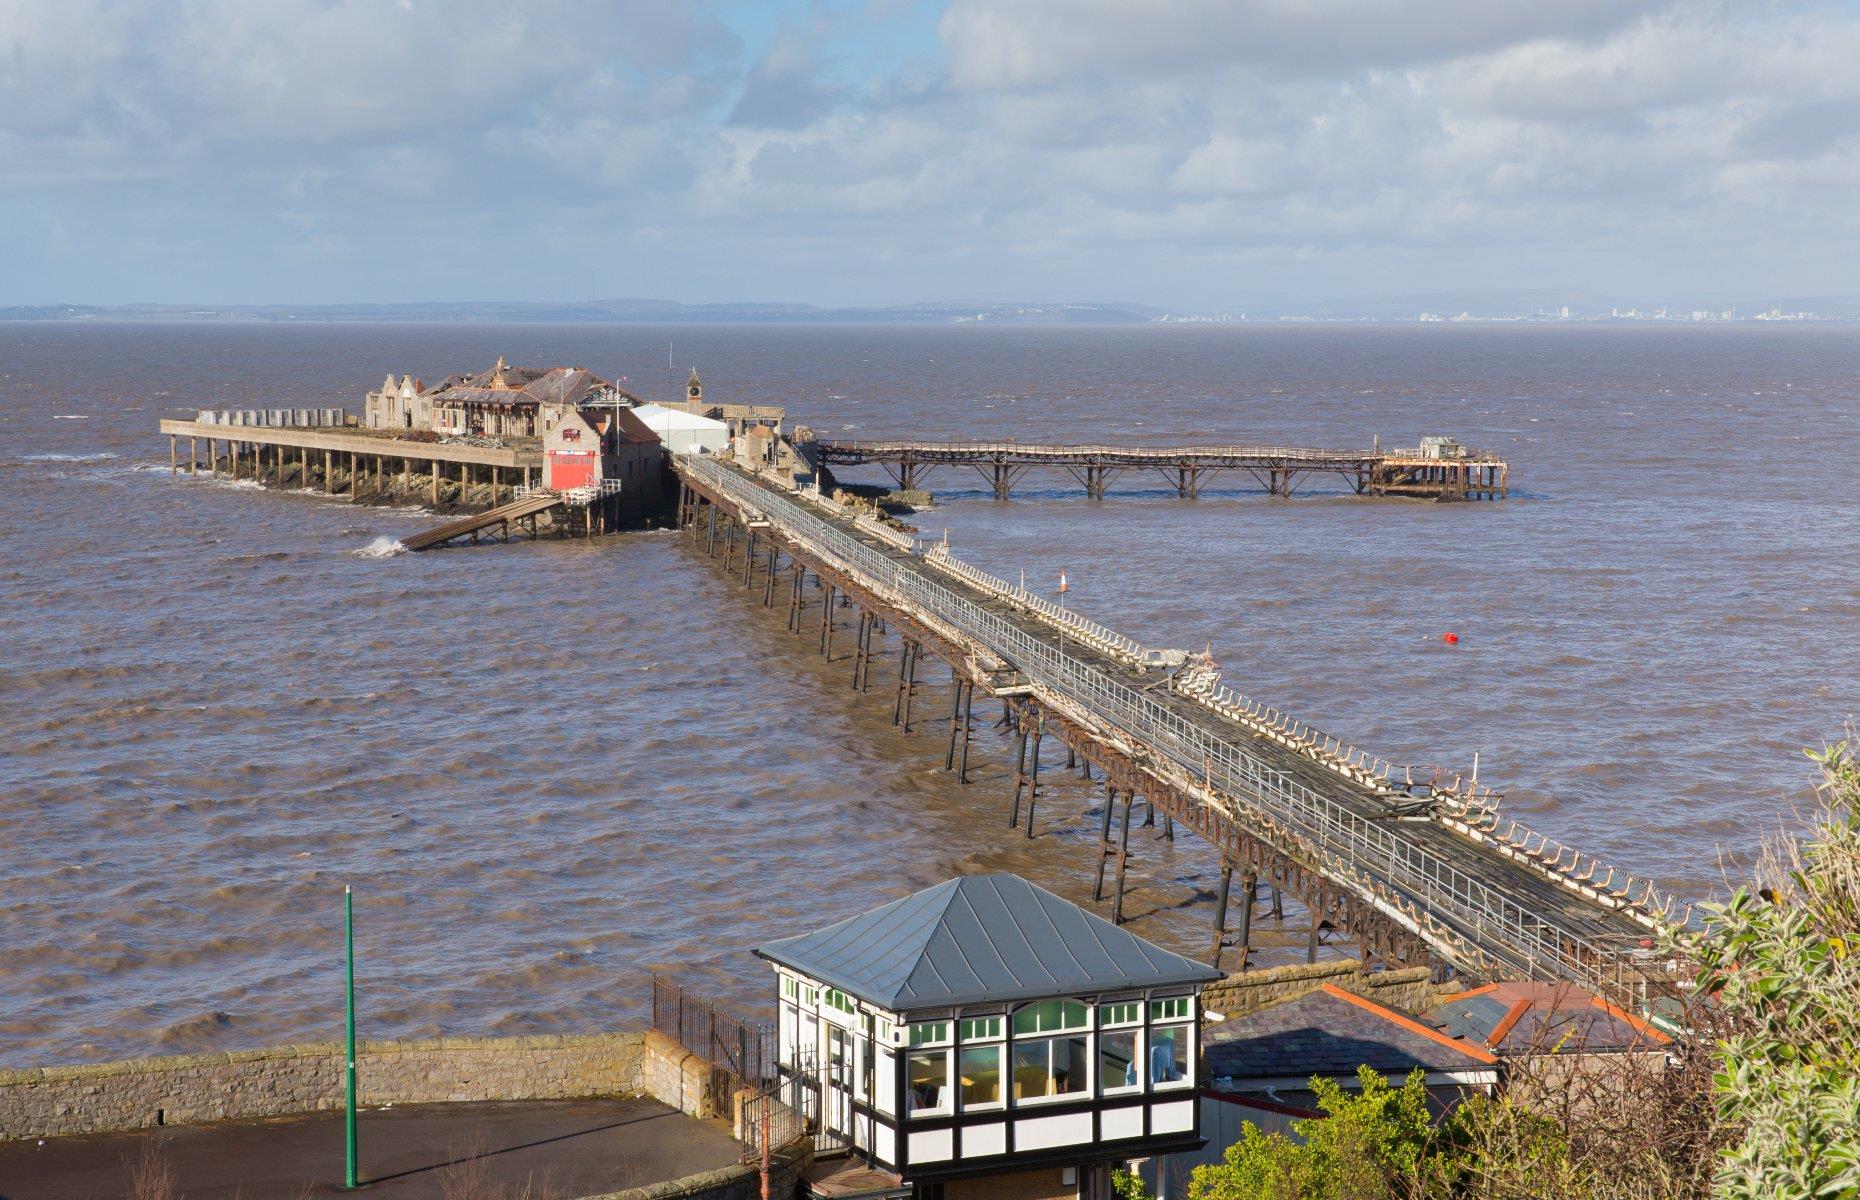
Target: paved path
<point x="533" y="1150"/>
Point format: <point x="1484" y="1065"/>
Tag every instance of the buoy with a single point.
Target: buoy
<point x="1062" y="581"/>
<point x="1451" y="639"/>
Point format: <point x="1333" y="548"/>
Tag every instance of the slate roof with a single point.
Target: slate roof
<point x="976" y="939"/>
<point x="1328" y="1033"/>
<point x="1541" y="1018"/>
<point x="629" y="428"/>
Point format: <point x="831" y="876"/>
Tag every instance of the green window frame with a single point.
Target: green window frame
<point x="930" y="1033"/>
<point x="1051" y="1016"/>
<point x="981" y="1029"/>
<point x="840" y="1000"/>
<point x="1129" y="1012"/>
<point x="1176" y="1008"/>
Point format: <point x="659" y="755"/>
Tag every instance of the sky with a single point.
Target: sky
<point x="1182" y="153"/>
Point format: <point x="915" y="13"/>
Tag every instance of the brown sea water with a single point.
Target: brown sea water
<point x="548" y="768"/>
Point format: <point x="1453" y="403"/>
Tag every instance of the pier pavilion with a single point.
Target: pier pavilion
<point x="985" y="1037"/>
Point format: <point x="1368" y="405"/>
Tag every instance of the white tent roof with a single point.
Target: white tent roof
<point x="660" y="417"/>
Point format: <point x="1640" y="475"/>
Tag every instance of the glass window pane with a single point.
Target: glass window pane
<point x="926" y="1074"/>
<point x="981" y="1075"/>
<point x="1050" y="1015"/>
<point x="1071" y="1065"/>
<point x="1117" y="1060"/>
<point x="1050" y="1067"/>
<point x="1169" y="1054"/>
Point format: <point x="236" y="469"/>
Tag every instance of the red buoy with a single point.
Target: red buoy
<point x="1451" y="639"/>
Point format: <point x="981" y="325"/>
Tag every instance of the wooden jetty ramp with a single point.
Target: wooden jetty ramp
<point x="1439" y="468"/>
<point x="501" y="518"/>
<point x="1410" y="868"/>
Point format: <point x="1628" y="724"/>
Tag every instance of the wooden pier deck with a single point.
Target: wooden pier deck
<point x="352" y="460"/>
<point x="1281" y="470"/>
<point x="1409" y="868"/>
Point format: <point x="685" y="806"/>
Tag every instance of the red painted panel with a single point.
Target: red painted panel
<point x="566" y="469"/>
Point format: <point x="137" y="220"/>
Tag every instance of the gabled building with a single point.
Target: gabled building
<point x="985" y="1034"/>
<point x="403" y="405"/>
<point x="504" y="401"/>
<point x="584" y="447"/>
<point x="1523" y="1018"/>
<point x="1258" y="1069"/>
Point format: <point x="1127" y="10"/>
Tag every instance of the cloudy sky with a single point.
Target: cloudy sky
<point x="1184" y="153"/>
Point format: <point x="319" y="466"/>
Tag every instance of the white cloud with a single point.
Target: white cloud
<point x="1217" y="146"/>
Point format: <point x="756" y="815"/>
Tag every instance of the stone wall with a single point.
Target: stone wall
<point x="786" y="1167"/>
<point x="673" y="1075"/>
<point x="51" y="1101"/>
<point x="1407" y="989"/>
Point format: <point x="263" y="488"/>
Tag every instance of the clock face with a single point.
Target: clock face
<point x="694" y="392"/>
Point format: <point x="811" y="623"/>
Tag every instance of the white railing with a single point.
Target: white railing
<point x="586" y="494"/>
<point x="1482" y="925"/>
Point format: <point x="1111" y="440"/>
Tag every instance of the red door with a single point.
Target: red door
<point x="570" y="469"/>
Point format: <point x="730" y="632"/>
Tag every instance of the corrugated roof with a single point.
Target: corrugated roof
<point x="976" y="939"/>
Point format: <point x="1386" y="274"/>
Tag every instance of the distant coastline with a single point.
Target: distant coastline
<point x="1509" y="307"/>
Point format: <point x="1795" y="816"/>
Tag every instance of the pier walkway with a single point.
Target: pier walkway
<point x="1410" y="866"/>
<point x="1459" y="474"/>
<point x="502" y="517"/>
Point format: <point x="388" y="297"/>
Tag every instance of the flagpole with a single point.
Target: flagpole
<point x="351" y="1174"/>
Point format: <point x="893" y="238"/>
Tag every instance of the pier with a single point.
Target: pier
<point x="1411" y="866"/>
<point x="339" y="460"/>
<point x="1438" y="469"/>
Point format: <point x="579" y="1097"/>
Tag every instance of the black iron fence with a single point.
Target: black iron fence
<point x="741" y="1053"/>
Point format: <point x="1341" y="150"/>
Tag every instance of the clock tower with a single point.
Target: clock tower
<point x="694" y="390"/>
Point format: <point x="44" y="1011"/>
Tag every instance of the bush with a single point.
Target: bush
<point x="1760" y="1101"/>
<point x="1784" y="964"/>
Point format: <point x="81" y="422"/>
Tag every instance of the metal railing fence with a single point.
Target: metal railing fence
<point x="1476" y="923"/>
<point x="741" y="1053"/>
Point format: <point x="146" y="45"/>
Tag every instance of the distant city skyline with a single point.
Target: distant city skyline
<point x="1199" y="158"/>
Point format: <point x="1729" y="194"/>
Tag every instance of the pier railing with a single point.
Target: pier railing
<point x="1481" y="925"/>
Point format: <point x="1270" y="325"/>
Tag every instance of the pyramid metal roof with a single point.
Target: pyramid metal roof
<point x="977" y="939"/>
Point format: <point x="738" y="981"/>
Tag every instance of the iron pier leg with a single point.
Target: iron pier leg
<point x="860" y="652"/>
<point x="710" y="540"/>
<point x="968" y="729"/>
<point x="1220" y="917"/>
<point x="1123" y="860"/>
<point x="1149" y="811"/>
<point x="1033" y="779"/>
<point x="1020" y="777"/>
<point x="1168" y="832"/>
<point x="910" y="682"/>
<point x="794" y="598"/>
<point x="768" y="582"/>
<point x="955" y="715"/>
<point x="1278" y="903"/>
<point x="827" y="624"/>
<point x="1317" y="923"/>
<point x="1251" y="889"/>
<point x="897" y="699"/>
<point x="1072" y="756"/>
<point x="1104" y="843"/>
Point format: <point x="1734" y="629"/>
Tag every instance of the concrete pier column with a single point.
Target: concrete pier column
<point x="174" y="454"/>
<point x="435" y="466"/>
<point x="193" y="456"/>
